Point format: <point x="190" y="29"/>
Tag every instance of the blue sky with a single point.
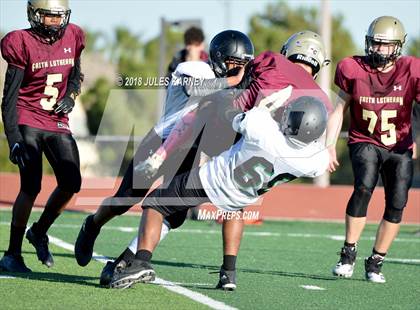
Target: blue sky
<point x="143" y="16"/>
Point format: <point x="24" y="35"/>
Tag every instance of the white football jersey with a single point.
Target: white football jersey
<point x="176" y="98"/>
<point x="263" y="158"/>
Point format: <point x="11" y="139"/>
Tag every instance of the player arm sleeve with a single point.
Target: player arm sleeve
<point x="75" y="80"/>
<point x="13" y="81"/>
<point x="343" y="77"/>
<point x="205" y="87"/>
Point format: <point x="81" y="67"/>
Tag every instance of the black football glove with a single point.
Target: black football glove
<point x="64" y="106"/>
<point x="19" y="155"/>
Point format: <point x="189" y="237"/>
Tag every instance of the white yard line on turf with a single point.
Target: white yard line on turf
<point x="312" y="287"/>
<point x="171" y="286"/>
<point x="128" y="229"/>
<point x="7" y="277"/>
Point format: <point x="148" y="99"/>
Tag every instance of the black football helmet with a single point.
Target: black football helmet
<point x="303" y="120"/>
<point x="229" y="45"/>
<point x="37" y="9"/>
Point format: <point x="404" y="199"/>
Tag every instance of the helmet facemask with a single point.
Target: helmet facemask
<point x="384" y="32"/>
<point x="375" y="58"/>
<point x="51" y="32"/>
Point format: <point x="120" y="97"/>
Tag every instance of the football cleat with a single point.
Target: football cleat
<point x="345" y="265"/>
<point x="107" y="273"/>
<point x="13" y="263"/>
<point x="119" y="263"/>
<point x="135" y="271"/>
<point x="227" y="280"/>
<point x="150" y="166"/>
<point x="373" y="265"/>
<point x="83" y="249"/>
<point x="40" y="244"/>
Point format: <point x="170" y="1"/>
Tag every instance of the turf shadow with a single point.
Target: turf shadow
<point x="71" y="255"/>
<point x="55" y="277"/>
<point x="249" y="270"/>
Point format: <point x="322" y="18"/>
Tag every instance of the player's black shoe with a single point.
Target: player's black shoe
<point x="40" y="243"/>
<point x="345" y="266"/>
<point x="119" y="263"/>
<point x="373" y="266"/>
<point x="227" y="280"/>
<point x="83" y="249"/>
<point x="107" y="273"/>
<point x="13" y="263"/>
<point x="135" y="271"/>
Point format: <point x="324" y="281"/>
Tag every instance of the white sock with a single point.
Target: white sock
<point x="165" y="230"/>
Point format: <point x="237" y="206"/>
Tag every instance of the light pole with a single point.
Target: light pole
<point x="325" y="78"/>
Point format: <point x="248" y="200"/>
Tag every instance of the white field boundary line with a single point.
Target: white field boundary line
<point x="171" y="286"/>
<point x="128" y="229"/>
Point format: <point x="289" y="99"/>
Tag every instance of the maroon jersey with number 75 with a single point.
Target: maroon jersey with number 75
<point x="381" y="103"/>
<point x="47" y="68"/>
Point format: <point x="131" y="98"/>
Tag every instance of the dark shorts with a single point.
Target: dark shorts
<point x="396" y="170"/>
<point x="61" y="152"/>
<point x="185" y="191"/>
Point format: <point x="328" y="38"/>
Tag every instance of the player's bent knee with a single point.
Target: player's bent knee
<point x="120" y="205"/>
<point x="359" y="201"/>
<point x="69" y="179"/>
<point x="177" y="219"/>
<point x="393" y="215"/>
<point x="32" y="190"/>
<point x="72" y="185"/>
<point x="152" y="202"/>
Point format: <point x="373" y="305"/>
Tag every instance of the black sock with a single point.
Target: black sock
<point x="144" y="255"/>
<point x="92" y="226"/>
<point x="350" y="245"/>
<point x="376" y="252"/>
<point x="126" y="256"/>
<point x="44" y="223"/>
<point x="16" y="238"/>
<point x="229" y="262"/>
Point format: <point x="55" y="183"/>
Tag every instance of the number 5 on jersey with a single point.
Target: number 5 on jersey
<point x="50" y="90"/>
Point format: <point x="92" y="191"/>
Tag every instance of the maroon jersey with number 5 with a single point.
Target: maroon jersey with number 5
<point x="47" y="68"/>
<point x="381" y="103"/>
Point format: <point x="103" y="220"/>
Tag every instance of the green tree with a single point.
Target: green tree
<point x="271" y="29"/>
<point x="413" y="47"/>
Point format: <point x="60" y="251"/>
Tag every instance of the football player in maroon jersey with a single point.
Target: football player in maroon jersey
<point x="42" y="81"/>
<point x="379" y="88"/>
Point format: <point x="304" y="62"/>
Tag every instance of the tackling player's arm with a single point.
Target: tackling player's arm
<point x="344" y="80"/>
<point x="183" y="130"/>
<point x="205" y="87"/>
<point x="335" y="122"/>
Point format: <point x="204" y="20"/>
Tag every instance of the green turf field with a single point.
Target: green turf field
<point x="276" y="260"/>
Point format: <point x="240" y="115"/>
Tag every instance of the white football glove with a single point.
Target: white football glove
<point x="149" y="167"/>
